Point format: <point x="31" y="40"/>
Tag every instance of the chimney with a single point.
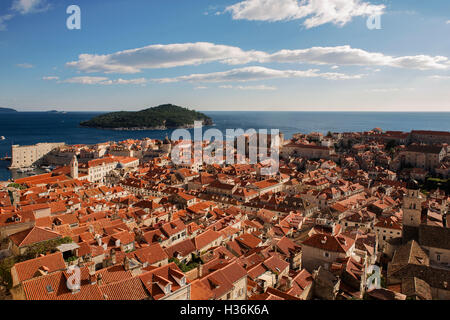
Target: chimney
<point x="126" y="263"/>
<point x="92" y="279"/>
<point x="289" y="282"/>
<point x="324" y="240"/>
<point x="91" y="269"/>
<point x="43" y="270"/>
<point x="99" y="279"/>
<point x="113" y="256"/>
<point x="199" y="270"/>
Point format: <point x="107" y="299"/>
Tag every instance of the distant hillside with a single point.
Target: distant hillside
<point x="7" y="110"/>
<point x="157" y="118"/>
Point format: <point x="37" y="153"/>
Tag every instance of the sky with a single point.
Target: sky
<point x="230" y="55"/>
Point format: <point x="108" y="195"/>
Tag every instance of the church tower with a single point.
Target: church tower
<point x="74" y="168"/>
<point x="412" y="212"/>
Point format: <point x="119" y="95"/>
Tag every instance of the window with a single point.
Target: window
<point x="326" y="254"/>
<point x="438" y="257"/>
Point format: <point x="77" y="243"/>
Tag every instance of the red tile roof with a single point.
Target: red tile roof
<point x="331" y="243"/>
<point x="162" y="276"/>
<point x="54" y="287"/>
<point x="151" y="254"/>
<point x="33" y="235"/>
<point x="127" y="289"/>
<point x="205" y="238"/>
<point x="49" y="263"/>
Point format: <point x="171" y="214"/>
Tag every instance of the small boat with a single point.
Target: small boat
<point x="24" y="170"/>
<point x="2" y="138"/>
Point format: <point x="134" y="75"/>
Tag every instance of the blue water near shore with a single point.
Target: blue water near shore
<point x="26" y="128"/>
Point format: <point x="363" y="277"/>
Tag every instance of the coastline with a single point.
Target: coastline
<point x="28" y="128"/>
<point x="157" y="128"/>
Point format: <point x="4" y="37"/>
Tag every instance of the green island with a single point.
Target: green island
<point x="162" y="117"/>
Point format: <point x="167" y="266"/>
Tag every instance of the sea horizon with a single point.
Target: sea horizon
<point x="199" y="110"/>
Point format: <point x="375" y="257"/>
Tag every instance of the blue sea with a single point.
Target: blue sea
<point x="24" y="128"/>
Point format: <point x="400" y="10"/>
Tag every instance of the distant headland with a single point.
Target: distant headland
<point x="167" y="116"/>
<point x="7" y="110"/>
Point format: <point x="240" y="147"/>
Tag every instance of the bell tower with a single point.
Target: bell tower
<point x="412" y="212"/>
<point x="74" y="168"/>
<point x="412" y="208"/>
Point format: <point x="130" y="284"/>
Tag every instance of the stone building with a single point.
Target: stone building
<point x="26" y="156"/>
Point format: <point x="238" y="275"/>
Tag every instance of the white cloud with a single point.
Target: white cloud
<point x="25" y="65"/>
<point x="49" y="78"/>
<point x="23" y="7"/>
<point x="86" y="80"/>
<point x="164" y="56"/>
<point x="30" y="6"/>
<point x="420" y="62"/>
<point x="316" y="12"/>
<point x="346" y="55"/>
<point x="103" y="81"/>
<point x="383" y="90"/>
<point x="447" y="22"/>
<point x="389" y="90"/>
<point x="130" y="81"/>
<point x="200" y="88"/>
<point x="256" y="74"/>
<point x="260" y="87"/>
<point x="436" y="77"/>
<point x="175" y="55"/>
<point x="3" y="19"/>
